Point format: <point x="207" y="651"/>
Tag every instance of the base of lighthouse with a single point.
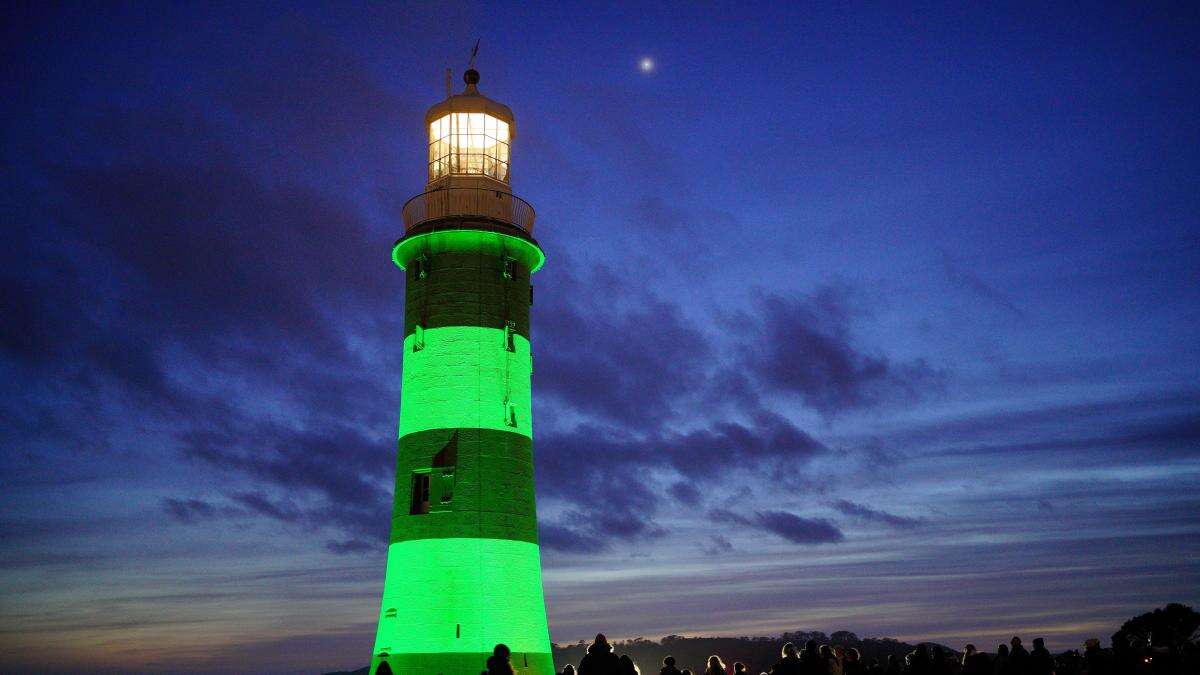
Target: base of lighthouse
<point x="448" y="602"/>
<point x="446" y="664"/>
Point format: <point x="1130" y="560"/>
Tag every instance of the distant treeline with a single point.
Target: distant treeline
<point x="758" y="653"/>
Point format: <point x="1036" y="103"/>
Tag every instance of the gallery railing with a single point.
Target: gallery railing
<point x="468" y="202"/>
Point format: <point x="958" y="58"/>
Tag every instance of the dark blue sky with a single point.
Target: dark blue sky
<point x="867" y="317"/>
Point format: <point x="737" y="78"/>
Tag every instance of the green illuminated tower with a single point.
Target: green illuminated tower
<point x="463" y="567"/>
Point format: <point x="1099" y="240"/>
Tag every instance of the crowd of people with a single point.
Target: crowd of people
<point x="814" y="659"/>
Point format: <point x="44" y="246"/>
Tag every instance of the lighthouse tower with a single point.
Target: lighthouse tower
<point x="463" y="566"/>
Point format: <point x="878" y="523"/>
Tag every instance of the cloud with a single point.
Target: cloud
<point x="716" y="545"/>
<point x="875" y="515"/>
<point x="975" y="284"/>
<point x="789" y="526"/>
<point x="188" y="510"/>
<point x="563" y="538"/>
<point x="685" y="493"/>
<point x="802" y="346"/>
<point x="611" y="478"/>
<point x="623" y="358"/>
<point x="259" y="503"/>
<point x="335" y="465"/>
<point x="350" y="546"/>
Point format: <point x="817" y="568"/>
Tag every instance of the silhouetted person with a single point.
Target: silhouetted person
<point x="839" y="658"/>
<point x="975" y="662"/>
<point x="789" y="662"/>
<point x="811" y="658"/>
<point x="628" y="667"/>
<point x="1095" y="661"/>
<point x="568" y="670"/>
<point x="937" y="661"/>
<point x="686" y="672"/>
<point x="893" y="666"/>
<point x="918" y="660"/>
<point x="669" y="667"/>
<point x="498" y="663"/>
<point x="715" y="666"/>
<point x="1001" y="665"/>
<point x="600" y="659"/>
<point x="1068" y="663"/>
<point x="852" y="663"/>
<point x="739" y="668"/>
<point x="829" y="664"/>
<point x="1018" y="658"/>
<point x="1040" y="661"/>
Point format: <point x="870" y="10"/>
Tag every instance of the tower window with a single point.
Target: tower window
<point x="510" y="414"/>
<point x="508" y="267"/>
<point x="510" y="330"/>
<point x="421" y="269"/>
<point x="432" y="490"/>
<point x="420" y="493"/>
<point x="418" y="338"/>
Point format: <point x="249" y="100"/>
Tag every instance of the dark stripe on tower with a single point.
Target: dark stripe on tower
<point x="493" y="485"/>
<point x="466" y="289"/>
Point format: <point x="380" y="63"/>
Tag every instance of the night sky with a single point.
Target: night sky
<point x="880" y="319"/>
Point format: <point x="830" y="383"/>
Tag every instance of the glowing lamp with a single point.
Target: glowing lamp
<point x="469" y="135"/>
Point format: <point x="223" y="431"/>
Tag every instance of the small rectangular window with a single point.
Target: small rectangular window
<point x="418" y="338"/>
<point x="420" y="493"/>
<point x="510" y="331"/>
<point x="510" y="414"/>
<point x="508" y="267"/>
<point x="421" y="269"/>
<point x="447" y="486"/>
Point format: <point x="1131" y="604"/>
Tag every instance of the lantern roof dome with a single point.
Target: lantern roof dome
<point x="471" y="101"/>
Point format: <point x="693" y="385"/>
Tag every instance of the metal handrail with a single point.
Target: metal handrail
<point x="468" y="202"/>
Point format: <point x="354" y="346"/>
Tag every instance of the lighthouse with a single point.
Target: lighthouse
<point x="463" y="565"/>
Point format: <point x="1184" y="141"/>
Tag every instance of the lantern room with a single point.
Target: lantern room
<point x="469" y="135"/>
